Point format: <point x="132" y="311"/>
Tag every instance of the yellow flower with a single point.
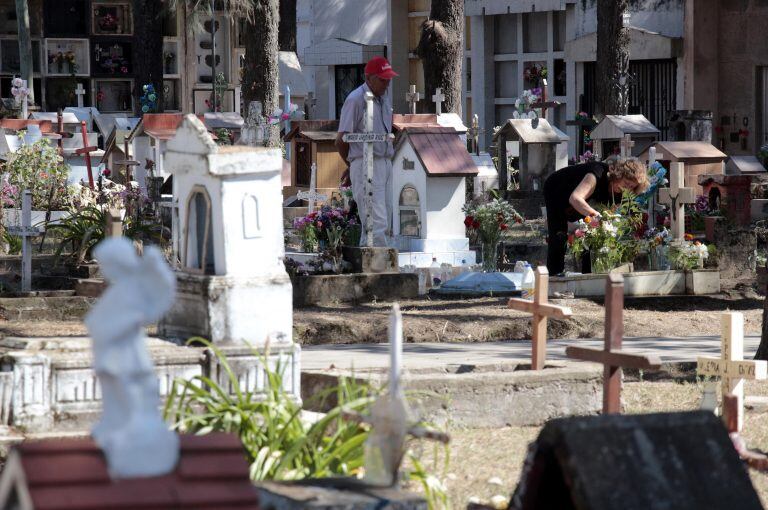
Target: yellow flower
<point x="587" y="220"/>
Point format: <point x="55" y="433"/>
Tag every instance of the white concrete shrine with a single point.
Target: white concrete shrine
<point x="429" y="171"/>
<point x="232" y="284"/>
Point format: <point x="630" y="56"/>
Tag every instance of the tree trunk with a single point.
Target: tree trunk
<point x="148" y="66"/>
<point x="612" y="85"/>
<point x="762" y="349"/>
<point x="441" y="49"/>
<point x="25" y="47"/>
<point x="260" y="77"/>
<point x="287" y="32"/>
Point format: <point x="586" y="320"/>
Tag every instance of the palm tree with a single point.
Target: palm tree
<point x="612" y="58"/>
<point x="441" y="51"/>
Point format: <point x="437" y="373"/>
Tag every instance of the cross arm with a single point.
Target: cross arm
<point x="616" y="358"/>
<point x="84" y="150"/>
<point x="523" y="305"/>
<point x="755" y="369"/>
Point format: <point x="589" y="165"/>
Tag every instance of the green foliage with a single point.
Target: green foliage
<point x="13" y="242"/>
<point x="39" y="168"/>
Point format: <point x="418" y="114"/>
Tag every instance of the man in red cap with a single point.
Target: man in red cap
<point x="378" y="74"/>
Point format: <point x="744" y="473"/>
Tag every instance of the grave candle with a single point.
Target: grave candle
<point x="395" y="349"/>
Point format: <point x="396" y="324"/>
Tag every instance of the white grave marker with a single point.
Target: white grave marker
<point x="312" y="195"/>
<point x="412" y="97"/>
<point x="25" y="231"/>
<point x="626" y="147"/>
<point x="438" y="98"/>
<point x="80" y="92"/>
<point x="731" y="367"/>
<point x="367" y="138"/>
<point x="676" y="196"/>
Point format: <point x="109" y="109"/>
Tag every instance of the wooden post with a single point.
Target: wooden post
<point x="611" y="356"/>
<point x="114" y="226"/>
<point x="25" y="47"/>
<point x="541" y="310"/>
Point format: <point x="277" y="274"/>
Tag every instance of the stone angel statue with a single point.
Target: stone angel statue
<point x="131" y="432"/>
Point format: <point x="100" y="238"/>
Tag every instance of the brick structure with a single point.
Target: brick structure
<point x="731" y="193"/>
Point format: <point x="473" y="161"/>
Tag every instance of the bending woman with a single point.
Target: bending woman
<point x="568" y="190"/>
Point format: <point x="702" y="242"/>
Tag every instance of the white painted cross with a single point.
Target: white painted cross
<point x="25" y="231"/>
<point x="395" y="349"/>
<point x="731" y="367"/>
<point x="676" y="196"/>
<point x="312" y="195"/>
<point x="80" y="91"/>
<point x="626" y="147"/>
<point x="412" y="97"/>
<point x="653" y="156"/>
<point x="367" y="138"/>
<point x="438" y="98"/>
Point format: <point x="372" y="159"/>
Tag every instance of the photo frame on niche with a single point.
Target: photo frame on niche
<point x="111" y="18"/>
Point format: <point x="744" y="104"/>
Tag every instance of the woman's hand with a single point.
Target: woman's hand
<point x="581" y="194"/>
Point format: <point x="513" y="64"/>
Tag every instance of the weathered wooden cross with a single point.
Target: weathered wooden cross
<point x="626" y="145"/>
<point x="368" y="138"/>
<point x="312" y="195"/>
<point x="114" y="224"/>
<point x="438" y="99"/>
<point x="676" y="196"/>
<point x="653" y="156"/>
<point x="127" y="163"/>
<point x="26" y="231"/>
<point x="310" y="103"/>
<point x="543" y="103"/>
<point x="412" y="97"/>
<point x="611" y="356"/>
<point x="541" y="310"/>
<point x="731" y="367"/>
<point x="86" y="151"/>
<point x="80" y="92"/>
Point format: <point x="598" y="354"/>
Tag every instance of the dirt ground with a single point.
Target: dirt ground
<point x="489" y="319"/>
<point x="475" y="472"/>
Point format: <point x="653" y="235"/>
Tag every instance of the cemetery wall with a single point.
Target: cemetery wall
<point x="664" y="17"/>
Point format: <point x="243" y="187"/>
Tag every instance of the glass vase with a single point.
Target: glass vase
<point x="661" y="259"/>
<point x="602" y="262"/>
<point x="490" y="256"/>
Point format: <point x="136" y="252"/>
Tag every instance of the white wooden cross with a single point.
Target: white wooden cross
<point x="676" y="196"/>
<point x="653" y="156"/>
<point x="367" y="138"/>
<point x="540" y="310"/>
<point x="80" y="91"/>
<point x="731" y="367"/>
<point x="312" y="195"/>
<point x="412" y="97"/>
<point x="626" y="147"/>
<point x="25" y="231"/>
<point x="438" y="98"/>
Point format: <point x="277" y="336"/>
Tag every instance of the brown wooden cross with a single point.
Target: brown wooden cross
<point x="543" y="103"/>
<point x="541" y="310"/>
<point x="86" y="151"/>
<point x="611" y="355"/>
<point x="127" y="162"/>
<point x="114" y="224"/>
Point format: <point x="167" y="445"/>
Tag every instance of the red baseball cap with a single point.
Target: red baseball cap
<point x="381" y="67"/>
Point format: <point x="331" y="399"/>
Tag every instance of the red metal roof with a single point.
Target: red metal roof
<point x="18" y="124"/>
<point x="161" y="125"/>
<point x="440" y="150"/>
<point x="212" y="473"/>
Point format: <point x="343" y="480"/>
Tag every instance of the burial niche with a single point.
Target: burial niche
<point x="198" y="249"/>
<point x="409" y="212"/>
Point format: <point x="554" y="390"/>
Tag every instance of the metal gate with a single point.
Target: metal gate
<point x="652" y="91"/>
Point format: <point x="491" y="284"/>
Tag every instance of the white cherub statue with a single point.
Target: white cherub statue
<point x="132" y="434"/>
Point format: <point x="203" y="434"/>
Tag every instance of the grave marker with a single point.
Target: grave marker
<point x="731" y="367"/>
<point x="475" y="131"/>
<point x="626" y="145"/>
<point x="541" y="310"/>
<point x="25" y="231"/>
<point x="611" y="355"/>
<point x="676" y="196"/>
<point x="312" y="195"/>
<point x="86" y="151"/>
<point x="80" y="92"/>
<point x="438" y="99"/>
<point x="653" y="156"/>
<point x="114" y="224"/>
<point x="543" y="103"/>
<point x="310" y="102"/>
<point x="412" y="97"/>
<point x="368" y="138"/>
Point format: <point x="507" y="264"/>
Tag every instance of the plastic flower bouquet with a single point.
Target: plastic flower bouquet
<point x="524" y="102"/>
<point x="488" y="221"/>
<point x="600" y="237"/>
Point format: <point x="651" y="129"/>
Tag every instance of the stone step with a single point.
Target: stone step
<point x="59" y="308"/>
<point x="90" y="287"/>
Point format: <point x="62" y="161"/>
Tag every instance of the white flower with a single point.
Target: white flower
<point x="17" y="82"/>
<point x="604" y="249"/>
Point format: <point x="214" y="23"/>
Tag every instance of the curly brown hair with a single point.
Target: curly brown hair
<point x="632" y="170"/>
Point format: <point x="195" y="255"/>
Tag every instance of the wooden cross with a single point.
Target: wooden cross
<point x="626" y="144"/>
<point x="412" y="97"/>
<point x="128" y="163"/>
<point x="310" y="102"/>
<point x="676" y="196"/>
<point x="114" y="224"/>
<point x="367" y="138"/>
<point x="611" y="355"/>
<point x="438" y="99"/>
<point x="86" y="151"/>
<point x="543" y="103"/>
<point x="80" y="92"/>
<point x="731" y="367"/>
<point x="25" y="231"/>
<point x="541" y="310"/>
<point x="312" y="195"/>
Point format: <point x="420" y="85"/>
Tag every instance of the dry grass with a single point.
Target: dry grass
<point x="480" y="455"/>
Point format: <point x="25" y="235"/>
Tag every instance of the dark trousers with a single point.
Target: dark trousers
<point x="557" y="237"/>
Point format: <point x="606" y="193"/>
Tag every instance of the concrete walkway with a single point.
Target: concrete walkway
<point x="435" y="355"/>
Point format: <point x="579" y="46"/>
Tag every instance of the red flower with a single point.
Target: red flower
<point x="475" y="224"/>
<point x="688" y="237"/>
<point x="570" y="238"/>
<point x="503" y="226"/>
<point x="519" y="219"/>
<point x="468" y="221"/>
<point x="106" y="172"/>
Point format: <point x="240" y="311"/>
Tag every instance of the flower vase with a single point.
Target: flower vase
<point x="601" y="262"/>
<point x="490" y="256"/>
<point x="60" y="66"/>
<point x="661" y="259"/>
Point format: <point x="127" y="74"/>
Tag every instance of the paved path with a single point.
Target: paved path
<point x="429" y="355"/>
